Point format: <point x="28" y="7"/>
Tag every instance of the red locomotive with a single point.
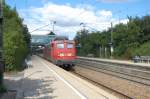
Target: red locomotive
<point x="61" y="52"/>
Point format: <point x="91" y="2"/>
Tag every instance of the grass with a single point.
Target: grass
<point x="2" y="89"/>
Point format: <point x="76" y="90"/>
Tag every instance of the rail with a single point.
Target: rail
<point x="131" y="71"/>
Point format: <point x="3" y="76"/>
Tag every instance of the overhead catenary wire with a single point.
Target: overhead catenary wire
<point x="87" y="23"/>
<point x="35" y="19"/>
<point x="39" y="28"/>
<point x="80" y="14"/>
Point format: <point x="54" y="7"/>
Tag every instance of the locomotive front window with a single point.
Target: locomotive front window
<point x="60" y="45"/>
<point x="69" y="45"/>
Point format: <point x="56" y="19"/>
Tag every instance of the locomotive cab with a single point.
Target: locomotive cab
<point x="63" y="52"/>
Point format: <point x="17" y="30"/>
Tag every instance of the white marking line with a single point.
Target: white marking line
<point x="67" y="83"/>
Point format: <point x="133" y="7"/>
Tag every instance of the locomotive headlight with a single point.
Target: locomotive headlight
<point x="69" y="54"/>
<point x="61" y="54"/>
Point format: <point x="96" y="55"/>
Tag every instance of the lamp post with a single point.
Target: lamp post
<point x="83" y="25"/>
<point x="1" y="42"/>
<point x="54" y="22"/>
<point x="111" y="42"/>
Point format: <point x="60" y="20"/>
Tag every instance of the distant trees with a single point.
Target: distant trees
<point x="16" y="39"/>
<point x="92" y="43"/>
<point x="129" y="40"/>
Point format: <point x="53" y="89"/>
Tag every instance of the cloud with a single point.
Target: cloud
<point x="104" y="13"/>
<point x="67" y="18"/>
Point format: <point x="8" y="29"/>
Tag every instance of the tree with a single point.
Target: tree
<point x="16" y="39"/>
<point x="128" y="39"/>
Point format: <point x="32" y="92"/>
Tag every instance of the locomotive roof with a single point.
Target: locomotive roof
<point x="62" y="41"/>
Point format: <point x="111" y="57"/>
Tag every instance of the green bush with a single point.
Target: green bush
<point x="2" y="89"/>
<point x="143" y="50"/>
<point x="128" y="39"/>
<point x="16" y="39"/>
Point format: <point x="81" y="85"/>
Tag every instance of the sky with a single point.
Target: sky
<point x="96" y="15"/>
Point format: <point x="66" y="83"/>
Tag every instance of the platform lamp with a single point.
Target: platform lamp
<point x="54" y="22"/>
<point x="111" y="42"/>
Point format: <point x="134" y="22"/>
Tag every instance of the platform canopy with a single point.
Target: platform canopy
<point x="41" y="39"/>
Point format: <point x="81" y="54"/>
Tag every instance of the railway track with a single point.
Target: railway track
<point x="134" y="73"/>
<point x="114" y="92"/>
<point x="132" y="80"/>
<point x="129" y="80"/>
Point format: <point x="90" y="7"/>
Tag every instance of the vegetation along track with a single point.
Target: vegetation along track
<point x="131" y="80"/>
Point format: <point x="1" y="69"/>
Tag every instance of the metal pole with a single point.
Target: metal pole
<point x="100" y="52"/>
<point x="54" y="22"/>
<point x="83" y="26"/>
<point x="1" y="42"/>
<point x="105" y="52"/>
<point x="111" y="45"/>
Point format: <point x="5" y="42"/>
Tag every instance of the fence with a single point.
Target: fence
<point x="141" y="59"/>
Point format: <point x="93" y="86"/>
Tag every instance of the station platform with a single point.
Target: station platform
<point x="127" y="62"/>
<point x="44" y="80"/>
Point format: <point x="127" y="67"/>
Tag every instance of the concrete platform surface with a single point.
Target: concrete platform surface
<point x="80" y="87"/>
<point x="44" y="80"/>
<point x="41" y="83"/>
